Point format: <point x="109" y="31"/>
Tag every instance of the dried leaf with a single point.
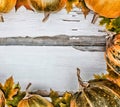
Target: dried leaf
<point x="63" y="101"/>
<point x="70" y="4"/>
<point x="10" y="88"/>
<point x="62" y="105"/>
<point x="24" y="3"/>
<point x="111" y="24"/>
<point x="84" y="8"/>
<point x="12" y="92"/>
<point x="67" y="96"/>
<point x="98" y="76"/>
<point x="14" y="102"/>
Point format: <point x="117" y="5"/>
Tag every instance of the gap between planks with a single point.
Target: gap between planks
<point x="83" y="43"/>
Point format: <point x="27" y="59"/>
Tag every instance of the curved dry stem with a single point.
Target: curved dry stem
<point x="27" y="89"/>
<point x="46" y="16"/>
<point x="95" y="17"/>
<point x="81" y="83"/>
<point x="1" y="18"/>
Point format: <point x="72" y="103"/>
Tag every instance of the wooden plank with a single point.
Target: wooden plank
<point x="85" y="42"/>
<point x="49" y="66"/>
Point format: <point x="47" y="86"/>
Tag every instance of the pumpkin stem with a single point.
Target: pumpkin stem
<point x="81" y="83"/>
<point x="46" y="16"/>
<point x="27" y="88"/>
<point x="1" y="18"/>
<point x="95" y="17"/>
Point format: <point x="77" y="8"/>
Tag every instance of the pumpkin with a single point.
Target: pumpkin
<point x="6" y="6"/>
<point x="46" y="6"/>
<point x="106" y="8"/>
<point x="112" y="54"/>
<point x="34" y="101"/>
<point x="112" y="57"/>
<point x="97" y="93"/>
<point x="2" y="99"/>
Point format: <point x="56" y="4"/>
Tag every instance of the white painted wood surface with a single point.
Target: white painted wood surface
<point x="28" y="23"/>
<point x="48" y="66"/>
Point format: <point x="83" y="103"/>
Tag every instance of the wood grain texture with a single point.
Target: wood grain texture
<point x="47" y="54"/>
<point x="84" y="43"/>
<point x="49" y="66"/>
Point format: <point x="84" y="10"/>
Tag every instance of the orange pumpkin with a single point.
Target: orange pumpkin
<point x="112" y="56"/>
<point x="6" y="6"/>
<point x="2" y="99"/>
<point x="34" y="101"/>
<point x="106" y="8"/>
<point x="46" y="6"/>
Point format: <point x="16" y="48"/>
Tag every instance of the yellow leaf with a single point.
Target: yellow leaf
<point x="60" y="101"/>
<point x="70" y="4"/>
<point x="67" y="96"/>
<point x="102" y="76"/>
<point x="62" y="105"/>
<point x="10" y="88"/>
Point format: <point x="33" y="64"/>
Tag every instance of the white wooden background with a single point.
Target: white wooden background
<point x="48" y="66"/>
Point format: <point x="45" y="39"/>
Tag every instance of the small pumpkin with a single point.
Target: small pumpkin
<point x="6" y="6"/>
<point x="97" y="93"/>
<point x="46" y="6"/>
<point x="106" y="8"/>
<point x="2" y="99"/>
<point x="34" y="100"/>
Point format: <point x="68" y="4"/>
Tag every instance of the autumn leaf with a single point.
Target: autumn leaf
<point x="70" y="4"/>
<point x="10" y="88"/>
<point x="111" y="76"/>
<point x="12" y="92"/>
<point x="111" y="24"/>
<point x="81" y="4"/>
<point x="14" y="102"/>
<point x="100" y="76"/>
<point x="24" y="3"/>
<point x="58" y="101"/>
<point x="55" y="98"/>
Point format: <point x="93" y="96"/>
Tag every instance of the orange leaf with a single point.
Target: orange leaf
<point x="24" y="3"/>
<point x="69" y="4"/>
<point x="83" y="7"/>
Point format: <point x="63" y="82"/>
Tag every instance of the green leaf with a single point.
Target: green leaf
<point x="12" y="92"/>
<point x="10" y="88"/>
<point x="58" y="101"/>
<point x="111" y="24"/>
<point x="14" y="102"/>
